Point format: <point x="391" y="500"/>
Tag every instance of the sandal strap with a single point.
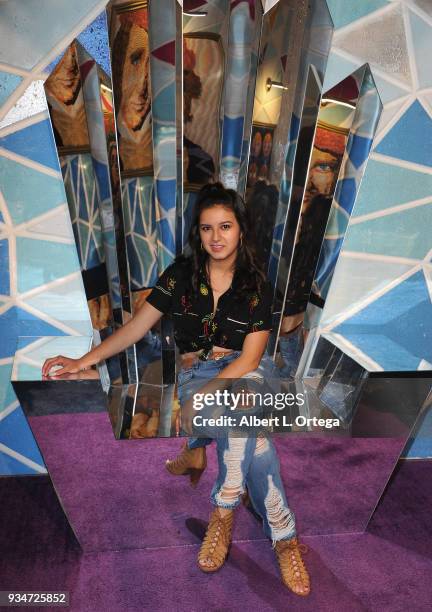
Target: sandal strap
<point x="293" y="569"/>
<point x="217" y="539"/>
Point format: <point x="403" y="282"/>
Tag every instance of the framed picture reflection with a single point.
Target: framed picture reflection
<point x="203" y="74"/>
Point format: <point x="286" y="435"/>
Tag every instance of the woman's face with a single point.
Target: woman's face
<point x="219" y="232"/>
<point x="135" y="103"/>
<point x="322" y="174"/>
<point x="256" y="144"/>
<point x="64" y="83"/>
<point x="267" y="144"/>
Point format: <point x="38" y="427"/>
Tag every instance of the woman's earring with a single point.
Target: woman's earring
<point x="202" y="248"/>
<point x="241" y="241"/>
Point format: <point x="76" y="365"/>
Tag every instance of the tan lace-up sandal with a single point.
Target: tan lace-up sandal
<point x="191" y="462"/>
<point x="214" y="548"/>
<point x="294" y="573"/>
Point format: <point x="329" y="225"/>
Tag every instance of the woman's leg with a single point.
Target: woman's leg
<point x="267" y="493"/>
<point x="268" y="498"/>
<point x="234" y="457"/>
<point x="192" y="459"/>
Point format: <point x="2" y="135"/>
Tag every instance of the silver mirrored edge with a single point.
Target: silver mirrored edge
<point x="365" y="121"/>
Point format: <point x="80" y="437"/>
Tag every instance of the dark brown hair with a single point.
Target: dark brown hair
<point x="249" y="276"/>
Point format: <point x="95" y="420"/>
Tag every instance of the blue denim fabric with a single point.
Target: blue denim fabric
<point x="253" y="463"/>
<point x="200" y="371"/>
<point x="291" y="348"/>
<point x="250" y="462"/>
<point x="191" y="379"/>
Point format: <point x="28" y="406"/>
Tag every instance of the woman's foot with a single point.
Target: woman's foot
<point x="294" y="573"/>
<point x="191" y="461"/>
<point x="214" y="548"/>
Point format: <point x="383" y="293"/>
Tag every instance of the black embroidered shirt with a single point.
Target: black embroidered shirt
<point x="195" y="326"/>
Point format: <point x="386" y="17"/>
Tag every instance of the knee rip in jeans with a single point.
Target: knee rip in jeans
<point x="232" y="488"/>
<point x="280" y="517"/>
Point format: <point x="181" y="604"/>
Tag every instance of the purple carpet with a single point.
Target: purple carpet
<point x="386" y="569"/>
<point x="332" y="484"/>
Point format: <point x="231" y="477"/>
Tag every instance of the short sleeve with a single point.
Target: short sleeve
<point x="162" y="293"/>
<point x="260" y="310"/>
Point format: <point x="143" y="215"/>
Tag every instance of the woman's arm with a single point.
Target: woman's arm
<point x="253" y="348"/>
<point x="252" y="351"/>
<point x="136" y="328"/>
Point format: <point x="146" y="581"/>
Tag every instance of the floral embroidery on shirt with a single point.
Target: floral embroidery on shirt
<point x="210" y="326"/>
<point x="206" y="320"/>
<point x="256" y="324"/>
<point x="194" y="327"/>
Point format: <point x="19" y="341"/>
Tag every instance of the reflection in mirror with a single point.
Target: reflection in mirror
<point x="275" y="53"/>
<point x="78" y="95"/>
<point x="241" y="69"/>
<point x="304" y="145"/>
<point x="340" y="116"/>
<point x="131" y="77"/>
<point x="338" y="380"/>
<point x="249" y="107"/>
<point x="130" y="53"/>
<point x="259" y="179"/>
<point x="121" y="401"/>
<point x="311" y="37"/>
<point x="156" y="413"/>
<point x="203" y="74"/>
<point x="314" y="182"/>
<point x="205" y="41"/>
<point x="364" y="125"/>
<point x="294" y="46"/>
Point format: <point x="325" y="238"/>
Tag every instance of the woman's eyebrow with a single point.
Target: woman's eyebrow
<point x="220" y="223"/>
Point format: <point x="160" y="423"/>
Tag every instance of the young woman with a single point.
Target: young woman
<point x="221" y="306"/>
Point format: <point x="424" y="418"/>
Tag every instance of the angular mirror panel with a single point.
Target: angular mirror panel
<point x="249" y="108"/>
<point x="277" y="61"/>
<point x="311" y="40"/>
<point x="166" y="78"/>
<point x="348" y="112"/>
<point x="294" y="46"/>
<point x="156" y="413"/>
<point x="203" y="79"/>
<point x="363" y="128"/>
<point x="129" y="36"/>
<point x="81" y="110"/>
<point x="314" y="182"/>
<point x="205" y="47"/>
<point x="130" y="57"/>
<point x="297" y="190"/>
<point x="243" y="44"/>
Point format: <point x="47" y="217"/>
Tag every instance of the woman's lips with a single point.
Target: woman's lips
<point x="216" y="247"/>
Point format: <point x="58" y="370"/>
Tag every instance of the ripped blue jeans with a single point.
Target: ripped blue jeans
<point x="250" y="462"/>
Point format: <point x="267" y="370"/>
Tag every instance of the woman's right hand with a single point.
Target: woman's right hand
<point x="69" y="366"/>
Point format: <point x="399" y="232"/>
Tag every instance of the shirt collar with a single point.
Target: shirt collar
<point x="203" y="278"/>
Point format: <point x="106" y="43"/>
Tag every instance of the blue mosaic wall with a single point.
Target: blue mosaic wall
<point x="379" y="305"/>
<point x="41" y="290"/>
